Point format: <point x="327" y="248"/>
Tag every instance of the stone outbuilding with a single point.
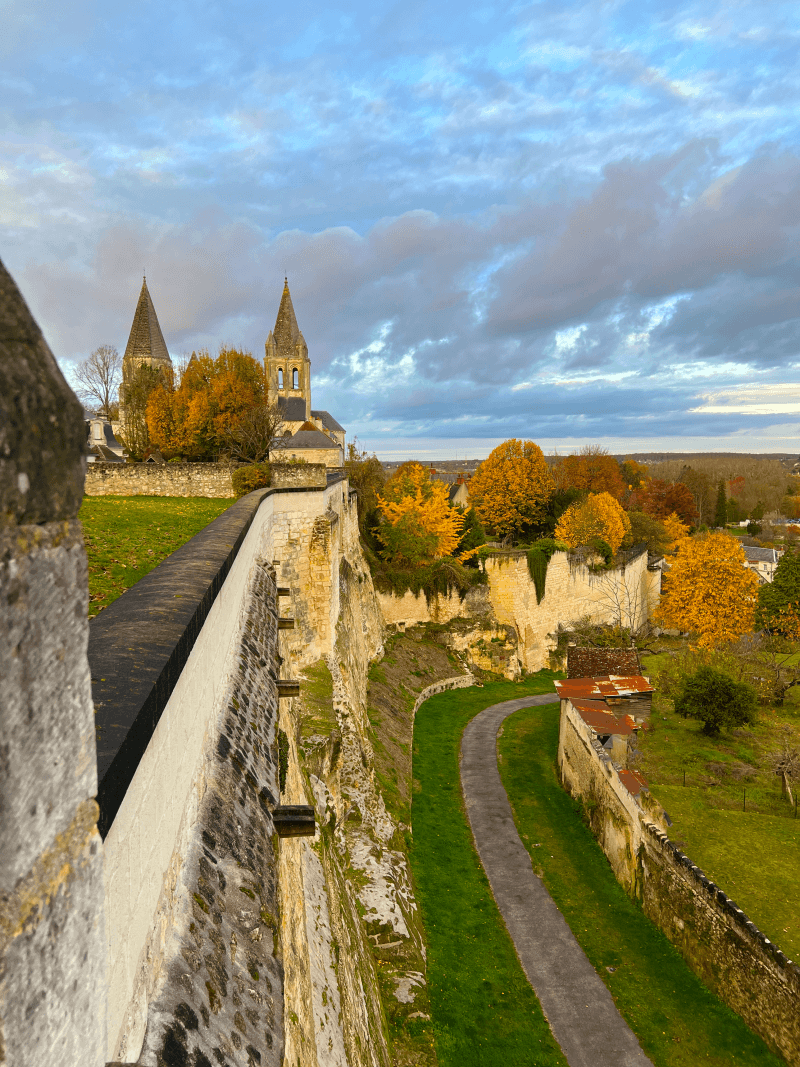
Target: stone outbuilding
<point x="308" y="445"/>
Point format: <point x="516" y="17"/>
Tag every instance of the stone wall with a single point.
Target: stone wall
<point x="596" y="662"/>
<point x="151" y="479"/>
<point x="293" y="475"/>
<point x="52" y="958"/>
<point x="715" y="937"/>
<point x="571" y="591"/>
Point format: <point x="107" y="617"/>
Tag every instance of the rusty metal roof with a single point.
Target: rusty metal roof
<point x="633" y="782"/>
<point x="596" y="715"/>
<point x="609" y="685"/>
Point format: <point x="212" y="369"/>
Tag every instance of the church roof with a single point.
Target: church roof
<point x="308" y="439"/>
<point x="146" y="340"/>
<point x="327" y="420"/>
<point x="287" y="332"/>
<point x="292" y="408"/>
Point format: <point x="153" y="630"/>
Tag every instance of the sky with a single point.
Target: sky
<point x="575" y="223"/>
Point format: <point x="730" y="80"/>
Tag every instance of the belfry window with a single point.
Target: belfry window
<point x="280" y="377"/>
<point x="295" y="379"/>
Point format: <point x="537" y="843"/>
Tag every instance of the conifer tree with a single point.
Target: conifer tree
<point x="779" y="600"/>
<point x="721" y="512"/>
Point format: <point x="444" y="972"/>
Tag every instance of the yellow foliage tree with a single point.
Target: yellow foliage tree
<point x="512" y="487"/>
<point x="676" y="529"/>
<point x="599" y="515"/>
<point x="709" y="590"/>
<point x="419" y="522"/>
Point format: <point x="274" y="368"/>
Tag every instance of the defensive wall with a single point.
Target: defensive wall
<point x="153" y="479"/>
<point x="718" y="941"/>
<point x="626" y="593"/>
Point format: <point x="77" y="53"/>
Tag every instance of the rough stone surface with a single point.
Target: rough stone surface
<point x="42" y="431"/>
<point x="714" y="936"/>
<point x="592" y="662"/>
<point x="221" y="1001"/>
<point x="578" y="1006"/>
<point x="286" y="475"/>
<point x="149" y="479"/>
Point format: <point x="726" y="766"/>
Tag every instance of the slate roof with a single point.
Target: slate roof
<point x="760" y="555"/>
<point x="293" y="408"/>
<point x="146" y="340"/>
<point x="327" y="420"/>
<point x="308" y="439"/>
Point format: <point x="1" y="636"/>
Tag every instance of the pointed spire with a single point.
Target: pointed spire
<point x="287" y="332"/>
<point x="146" y="340"/>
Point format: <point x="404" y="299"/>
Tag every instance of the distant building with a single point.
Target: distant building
<point x="103" y="445"/>
<point x="459" y="492"/>
<point x="764" y="561"/>
<point x="145" y="345"/>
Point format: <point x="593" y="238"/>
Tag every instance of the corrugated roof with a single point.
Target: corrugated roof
<point x="633" y="782"/>
<point x="609" y="685"/>
<point x="595" y="714"/>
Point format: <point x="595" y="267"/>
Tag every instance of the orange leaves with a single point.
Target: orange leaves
<point x="512" y="487"/>
<point x="709" y="591"/>
<point x="419" y="522"/>
<point x="600" y="515"/>
<point x="592" y="470"/>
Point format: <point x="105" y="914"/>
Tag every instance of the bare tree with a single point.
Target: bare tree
<point x="250" y="436"/>
<point x="786" y="761"/>
<point x="98" y="378"/>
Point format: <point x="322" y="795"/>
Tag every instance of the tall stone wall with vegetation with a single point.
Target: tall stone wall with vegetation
<point x="52" y="951"/>
<point x="715" y="937"/>
<point x="151" y="479"/>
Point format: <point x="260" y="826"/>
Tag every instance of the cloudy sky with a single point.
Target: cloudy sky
<point x="572" y="222"/>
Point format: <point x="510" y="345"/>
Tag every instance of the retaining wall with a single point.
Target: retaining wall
<point x="715" y="937"/>
<point x="150" y="479"/>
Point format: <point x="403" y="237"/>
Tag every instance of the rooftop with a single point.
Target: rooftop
<point x="609" y="685"/>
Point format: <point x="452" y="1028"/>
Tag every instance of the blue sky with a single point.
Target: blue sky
<point x="567" y="222"/>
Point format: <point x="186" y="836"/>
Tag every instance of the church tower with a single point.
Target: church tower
<point x="287" y="363"/>
<point x="145" y="344"/>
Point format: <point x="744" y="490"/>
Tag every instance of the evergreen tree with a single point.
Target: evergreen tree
<point x="779" y="600"/>
<point x="721" y="513"/>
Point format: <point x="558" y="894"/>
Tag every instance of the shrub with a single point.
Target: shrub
<point x="716" y="699"/>
<point x="254" y="476"/>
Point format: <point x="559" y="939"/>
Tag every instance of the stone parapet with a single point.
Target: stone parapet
<point x="293" y="475"/>
<point x="151" y="479"/>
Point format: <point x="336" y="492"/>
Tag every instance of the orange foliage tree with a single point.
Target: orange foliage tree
<point x="592" y="470"/>
<point x="511" y="488"/>
<point x="419" y="523"/>
<point x="660" y="498"/>
<point x="192" y="418"/>
<point x="600" y="515"/>
<point x="709" y="590"/>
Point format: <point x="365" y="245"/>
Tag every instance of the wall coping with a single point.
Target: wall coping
<point x="139" y="645"/>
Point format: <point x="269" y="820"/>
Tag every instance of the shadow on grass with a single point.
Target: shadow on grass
<point x="677" y="1019"/>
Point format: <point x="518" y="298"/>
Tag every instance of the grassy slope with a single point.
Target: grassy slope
<point x="485" y="1013"/>
<point x="708" y="821"/>
<point x="677" y="1020"/>
<point x="126" y="536"/>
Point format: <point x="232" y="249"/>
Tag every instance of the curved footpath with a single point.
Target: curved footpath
<point x="578" y="1006"/>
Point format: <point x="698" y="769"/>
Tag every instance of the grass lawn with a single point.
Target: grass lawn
<point x="485" y="1013"/>
<point x="677" y="1020"/>
<point x="126" y="536"/>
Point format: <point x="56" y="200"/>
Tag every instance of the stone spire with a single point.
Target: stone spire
<point x="286" y="333"/>
<point x="146" y="341"/>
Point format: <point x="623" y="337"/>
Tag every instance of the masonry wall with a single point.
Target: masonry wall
<point x="571" y="591"/>
<point x="52" y="960"/>
<point x="713" y="935"/>
<point x="150" y="479"/>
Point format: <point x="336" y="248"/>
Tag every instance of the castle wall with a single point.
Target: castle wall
<point x="52" y="960"/>
<point x="714" y="936"/>
<point x="571" y="591"/>
<point x="150" y="479"/>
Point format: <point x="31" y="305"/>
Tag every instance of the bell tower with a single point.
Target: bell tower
<point x="286" y="357"/>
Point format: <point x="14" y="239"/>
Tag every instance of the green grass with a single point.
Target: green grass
<point x="485" y="1013"/>
<point x="677" y="1019"/>
<point x="126" y="536"/>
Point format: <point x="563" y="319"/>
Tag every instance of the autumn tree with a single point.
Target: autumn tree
<point x="647" y="530"/>
<point x="716" y="699"/>
<point x="660" y="499"/>
<point x="599" y="516"/>
<point x="367" y="476"/>
<point x="248" y="436"/>
<point x="136" y="391"/>
<point x="591" y="470"/>
<point x="98" y="378"/>
<point x="419" y="525"/>
<point x="709" y="590"/>
<point x="676" y="529"/>
<point x="511" y="488"/>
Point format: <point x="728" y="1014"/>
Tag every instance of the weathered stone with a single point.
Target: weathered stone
<point x="150" y="479"/>
<point x="42" y="430"/>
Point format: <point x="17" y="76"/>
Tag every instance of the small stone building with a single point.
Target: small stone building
<point x="613" y="707"/>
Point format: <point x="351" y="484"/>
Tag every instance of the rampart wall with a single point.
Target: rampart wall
<point x="715" y="937"/>
<point x="151" y="479"/>
<point x="572" y="590"/>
